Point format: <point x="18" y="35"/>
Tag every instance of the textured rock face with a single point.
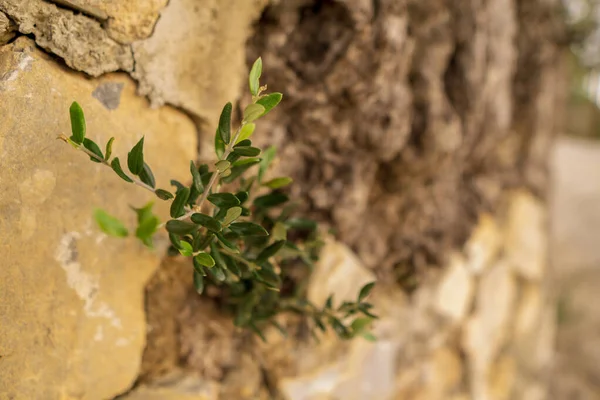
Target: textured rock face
<point x="72" y="322"/>
<point x="466" y="333"/>
<point x="195" y="57"/>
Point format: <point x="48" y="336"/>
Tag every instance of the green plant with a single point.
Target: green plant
<point x="244" y="241"/>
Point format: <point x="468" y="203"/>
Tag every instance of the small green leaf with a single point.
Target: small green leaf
<point x="279" y="231"/>
<point x="253" y="112"/>
<point x="186" y="249"/>
<point x="214" y="252"/>
<point x="225" y="123"/>
<point x="248" y="229"/>
<point x="222" y="165"/>
<point x="178" y="185"/>
<point x="175" y="240"/>
<point x="240" y="169"/>
<point x="369" y="336"/>
<point x="270" y="251"/>
<point x="224" y="200"/>
<point x="196" y="178"/>
<point x="246" y="161"/>
<point x="267" y="158"/>
<point x="232" y="265"/>
<point x="163" y="194"/>
<point x="364" y="292"/>
<point x="135" y="158"/>
<point x="339" y="328"/>
<point x="360" y="324"/>
<point x="242" y="196"/>
<point x="329" y="302"/>
<point x="147" y="176"/>
<point x="246" y="142"/>
<point x="219" y="145"/>
<point x="254" y="77"/>
<point x="270" y="101"/>
<point x="207" y="221"/>
<point x="301" y="223"/>
<point x="270" y="200"/>
<point x="109" y="224"/>
<point x="217" y="273"/>
<point x="198" y="282"/>
<point x="181" y="198"/>
<point x="180" y="227"/>
<point x="205" y="259"/>
<point x="246" y="151"/>
<point x="93" y="147"/>
<point x="116" y="166"/>
<point x="227" y="243"/>
<point x="246" y="132"/>
<point x="147" y="223"/>
<point x="108" y="152"/>
<point x="232" y="214"/>
<point x="278" y="183"/>
<point x="77" y="123"/>
<point x="268" y="277"/>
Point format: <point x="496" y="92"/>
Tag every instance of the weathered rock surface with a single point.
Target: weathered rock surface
<point x="195" y="57"/>
<point x="7" y="29"/>
<point x="72" y="321"/>
<point x="468" y="333"/>
<point x="76" y="38"/>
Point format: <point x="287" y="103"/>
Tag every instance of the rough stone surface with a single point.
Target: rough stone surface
<point x="526" y="250"/>
<point x="195" y="58"/>
<point x="7" y="29"/>
<point x="456" y="337"/>
<point x="72" y="323"/>
<point x="456" y="290"/>
<point x="76" y="38"/>
<point x="129" y="20"/>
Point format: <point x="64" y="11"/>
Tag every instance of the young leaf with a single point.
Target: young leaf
<point x="254" y="77"/>
<point x="270" y="200"/>
<point x="278" y="183"/>
<point x="196" y="178"/>
<point x="135" y="158"/>
<point x="246" y="151"/>
<point x="181" y="198"/>
<point x="360" y="324"/>
<point x="223" y="200"/>
<point x="253" y="112"/>
<point x="219" y="145"/>
<point x="225" y="123"/>
<point x="232" y="214"/>
<point x="207" y="221"/>
<point x="108" y="152"/>
<point x="248" y="229"/>
<point x="77" y="123"/>
<point x="93" y="147"/>
<point x="198" y="282"/>
<point x="227" y="243"/>
<point x="147" y="176"/>
<point x="147" y="223"/>
<point x="186" y="249"/>
<point x="205" y="259"/>
<point x="116" y="166"/>
<point x="267" y="158"/>
<point x="222" y="165"/>
<point x="269" y="251"/>
<point x="269" y="102"/>
<point x="109" y="224"/>
<point x="163" y="194"/>
<point x="246" y="132"/>
<point x="180" y="227"/>
<point x="364" y="292"/>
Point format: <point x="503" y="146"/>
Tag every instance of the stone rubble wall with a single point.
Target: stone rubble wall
<point x="73" y="310"/>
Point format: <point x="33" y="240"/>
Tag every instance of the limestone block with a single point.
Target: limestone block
<point x="195" y="57"/>
<point x="455" y="292"/>
<point x="71" y="299"/>
<point x="483" y="245"/>
<point x="79" y="40"/>
<point x="526" y="236"/>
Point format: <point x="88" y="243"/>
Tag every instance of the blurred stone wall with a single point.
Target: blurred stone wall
<point x="419" y="130"/>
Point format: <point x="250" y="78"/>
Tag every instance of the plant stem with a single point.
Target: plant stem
<point x="214" y="177"/>
<point x="103" y="161"/>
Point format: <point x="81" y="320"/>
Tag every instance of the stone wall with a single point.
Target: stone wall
<point x="84" y="316"/>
